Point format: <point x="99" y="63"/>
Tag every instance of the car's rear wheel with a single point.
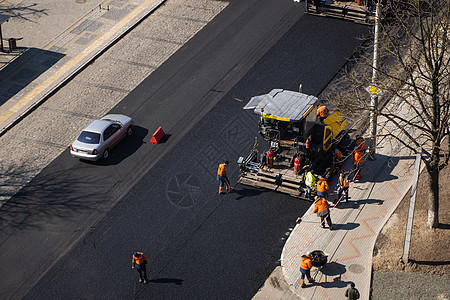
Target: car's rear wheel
<point x="130" y="130"/>
<point x="106" y="154"/>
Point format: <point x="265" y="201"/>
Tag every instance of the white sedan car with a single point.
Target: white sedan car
<point x="99" y="137"/>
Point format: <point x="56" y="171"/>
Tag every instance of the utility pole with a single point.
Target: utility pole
<point x="374" y="96"/>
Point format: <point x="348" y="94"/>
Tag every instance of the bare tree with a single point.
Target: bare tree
<point x="414" y="74"/>
<point x="415" y="38"/>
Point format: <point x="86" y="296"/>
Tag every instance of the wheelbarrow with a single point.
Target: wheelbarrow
<point x="319" y="258"/>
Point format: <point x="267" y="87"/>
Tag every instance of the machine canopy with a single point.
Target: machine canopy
<point x="282" y="105"/>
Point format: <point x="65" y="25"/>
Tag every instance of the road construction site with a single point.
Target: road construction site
<point x="179" y="65"/>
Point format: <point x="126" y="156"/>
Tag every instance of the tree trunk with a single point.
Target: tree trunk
<point x="433" y="198"/>
<point x="433" y="201"/>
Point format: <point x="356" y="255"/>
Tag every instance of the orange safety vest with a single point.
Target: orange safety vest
<point x="320" y="205"/>
<point x="306" y="263"/>
<point x="140" y="259"/>
<point x="360" y="144"/>
<point x="222" y="171"/>
<point x="322" y="185"/>
<point x="343" y="181"/>
<point x="297" y="165"/>
<point x="269" y="155"/>
<point x="357" y="158"/>
<point x="338" y="154"/>
<point x="322" y="111"/>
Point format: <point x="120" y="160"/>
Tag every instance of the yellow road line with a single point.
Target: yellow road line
<point x="71" y="63"/>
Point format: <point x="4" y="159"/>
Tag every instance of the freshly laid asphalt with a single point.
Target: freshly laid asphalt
<point x="199" y="245"/>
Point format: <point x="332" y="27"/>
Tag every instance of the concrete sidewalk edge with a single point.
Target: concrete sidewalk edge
<point x="275" y="287"/>
<point x="382" y="223"/>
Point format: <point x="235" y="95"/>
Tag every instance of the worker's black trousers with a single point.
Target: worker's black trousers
<point x="327" y="217"/>
<point x="306" y="273"/>
<point x="142" y="271"/>
<point x="340" y="191"/>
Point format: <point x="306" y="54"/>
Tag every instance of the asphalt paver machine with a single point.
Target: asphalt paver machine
<point x="294" y="141"/>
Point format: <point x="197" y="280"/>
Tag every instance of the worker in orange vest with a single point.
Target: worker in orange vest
<point x="269" y="155"/>
<point x="357" y="163"/>
<point x="338" y="159"/>
<point x="343" y="185"/>
<point x="322" y="187"/>
<point x="321" y="207"/>
<point x="222" y="177"/>
<point x="139" y="262"/>
<point x="322" y="112"/>
<point x="360" y="144"/>
<point x="308" y="143"/>
<point x="309" y="150"/>
<point x="297" y="164"/>
<point x="305" y="267"/>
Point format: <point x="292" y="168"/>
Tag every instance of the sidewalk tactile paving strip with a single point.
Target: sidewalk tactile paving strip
<point x="118" y="14"/>
<point x="86" y="39"/>
<point x="87" y="25"/>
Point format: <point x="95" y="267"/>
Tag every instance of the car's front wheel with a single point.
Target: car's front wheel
<point x="130" y="130"/>
<point x="106" y="154"/>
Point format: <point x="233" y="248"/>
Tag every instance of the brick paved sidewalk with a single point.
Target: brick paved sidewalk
<point x="357" y="223"/>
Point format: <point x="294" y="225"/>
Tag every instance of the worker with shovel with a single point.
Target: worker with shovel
<point x="139" y="262"/>
<point x="343" y="185"/>
<point x="357" y="163"/>
<point x="222" y="177"/>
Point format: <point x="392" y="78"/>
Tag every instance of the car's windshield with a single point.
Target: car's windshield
<point x="89" y="137"/>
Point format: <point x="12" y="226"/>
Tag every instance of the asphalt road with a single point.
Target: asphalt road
<point x="75" y="226"/>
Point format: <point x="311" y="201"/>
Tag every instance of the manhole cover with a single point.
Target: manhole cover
<point x="355" y="268"/>
<point x="183" y="190"/>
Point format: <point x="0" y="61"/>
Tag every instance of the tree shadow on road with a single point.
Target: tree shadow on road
<point x="45" y="201"/>
<point x="61" y="191"/>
